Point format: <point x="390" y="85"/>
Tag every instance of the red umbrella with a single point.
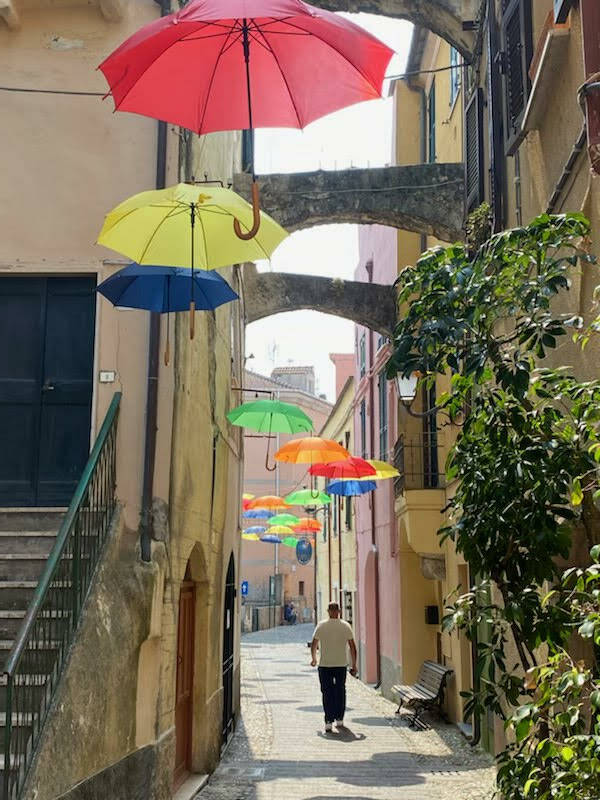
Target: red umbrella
<point x="220" y="65"/>
<point x="353" y="467"/>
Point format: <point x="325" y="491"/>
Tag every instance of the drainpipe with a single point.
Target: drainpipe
<point x="146" y="526"/>
<point x="372" y="499"/>
<point x="423" y="147"/>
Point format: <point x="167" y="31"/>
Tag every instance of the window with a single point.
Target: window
<point x="383" y="416"/>
<point x="301" y="588"/>
<point x="517" y="46"/>
<point x="474" y="168"/>
<point x="454" y="75"/>
<point x="362" y="356"/>
<point x="561" y="10"/>
<point x="363" y="429"/>
<point x="431" y="121"/>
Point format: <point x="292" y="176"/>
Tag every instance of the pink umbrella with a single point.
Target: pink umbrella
<point x="220" y="65"/>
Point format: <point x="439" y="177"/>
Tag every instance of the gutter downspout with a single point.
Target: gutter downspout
<point x="369" y="267"/>
<point x="146" y="522"/>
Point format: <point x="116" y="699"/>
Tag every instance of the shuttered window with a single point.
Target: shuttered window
<point x="561" y="10"/>
<point x="517" y="53"/>
<point x="474" y="151"/>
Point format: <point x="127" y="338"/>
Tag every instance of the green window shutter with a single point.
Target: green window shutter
<point x="431" y="120"/>
<point x="474" y="168"/>
<point x="517" y="53"/>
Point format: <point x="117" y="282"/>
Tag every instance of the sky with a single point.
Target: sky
<point x="359" y="136"/>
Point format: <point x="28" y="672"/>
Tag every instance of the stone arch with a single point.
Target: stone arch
<point x="423" y="198"/>
<point x="448" y="18"/>
<point x="370" y="304"/>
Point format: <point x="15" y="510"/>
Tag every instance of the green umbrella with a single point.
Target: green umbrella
<point x="270" y="416"/>
<point x="307" y="497"/>
<point x="290" y="541"/>
<point x="284" y="519"/>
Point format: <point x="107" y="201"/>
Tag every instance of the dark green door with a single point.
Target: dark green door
<point x="46" y="381"/>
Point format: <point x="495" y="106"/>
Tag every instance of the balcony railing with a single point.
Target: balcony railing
<point x="417" y="460"/>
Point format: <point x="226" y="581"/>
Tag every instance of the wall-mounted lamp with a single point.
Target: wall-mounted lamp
<point x="406" y="387"/>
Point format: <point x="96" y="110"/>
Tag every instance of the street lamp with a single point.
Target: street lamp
<point x="406" y="387"/>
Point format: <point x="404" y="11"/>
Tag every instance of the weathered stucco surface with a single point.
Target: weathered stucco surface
<point x="91" y="725"/>
<point x="424" y="198"/>
<point x="444" y="17"/>
<point x="369" y="304"/>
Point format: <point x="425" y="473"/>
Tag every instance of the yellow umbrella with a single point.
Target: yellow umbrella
<point x="247" y="496"/>
<point x="383" y="471"/>
<point x="251" y="537"/>
<point x="188" y="225"/>
<point x="280" y="530"/>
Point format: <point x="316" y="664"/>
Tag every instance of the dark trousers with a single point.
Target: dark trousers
<point x="333" y="688"/>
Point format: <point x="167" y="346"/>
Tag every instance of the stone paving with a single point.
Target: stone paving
<point x="280" y="750"/>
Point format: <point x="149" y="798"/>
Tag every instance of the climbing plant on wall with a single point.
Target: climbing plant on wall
<point x="526" y="466"/>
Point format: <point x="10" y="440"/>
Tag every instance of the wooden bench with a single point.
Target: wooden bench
<point x="427" y="692"/>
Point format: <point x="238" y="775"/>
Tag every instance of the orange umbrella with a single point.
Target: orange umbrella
<point x="270" y="501"/>
<point x="307" y="524"/>
<point x="311" y="450"/>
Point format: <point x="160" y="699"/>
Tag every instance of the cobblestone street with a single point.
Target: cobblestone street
<point x="280" y="750"/>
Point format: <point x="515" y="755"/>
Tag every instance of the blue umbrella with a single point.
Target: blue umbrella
<point x="270" y="537"/>
<point x="258" y="513"/>
<point x="255" y="529"/>
<point x="350" y="488"/>
<point x="166" y="289"/>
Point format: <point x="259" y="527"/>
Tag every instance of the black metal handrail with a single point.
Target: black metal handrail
<point x="417" y="460"/>
<point x="35" y="662"/>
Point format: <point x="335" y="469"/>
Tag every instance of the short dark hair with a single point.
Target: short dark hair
<point x="333" y="607"/>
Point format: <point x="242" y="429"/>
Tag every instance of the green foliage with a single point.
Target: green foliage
<point x="526" y="466"/>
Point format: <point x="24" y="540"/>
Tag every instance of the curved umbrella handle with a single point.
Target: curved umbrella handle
<point x="255" y="217"/>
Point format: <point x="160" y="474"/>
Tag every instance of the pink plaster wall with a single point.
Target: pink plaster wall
<point x="344" y="368"/>
<point x="377" y="244"/>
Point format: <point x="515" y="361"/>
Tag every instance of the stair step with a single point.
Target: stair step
<point x="25" y="566"/>
<point x="17" y="594"/>
<point x="12" y="619"/>
<point x="31" y="519"/>
<point x="36" y="684"/>
<point x="40" y="542"/>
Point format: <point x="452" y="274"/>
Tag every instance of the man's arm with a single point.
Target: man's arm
<point x="313" y="652"/>
<point x="352" y="646"/>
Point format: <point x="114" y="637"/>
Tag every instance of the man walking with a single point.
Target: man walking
<point x="331" y="637"/>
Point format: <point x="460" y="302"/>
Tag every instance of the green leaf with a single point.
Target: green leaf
<point x="567" y="753"/>
<point x="576" y="493"/>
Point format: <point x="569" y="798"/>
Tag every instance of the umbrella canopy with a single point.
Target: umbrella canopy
<point x="290" y="541"/>
<point x="250" y="537"/>
<point x="352" y="467"/>
<point x="308" y="497"/>
<point x="281" y="530"/>
<point x="256" y="529"/>
<point x="187" y="226"/>
<point x="351" y="488"/>
<point x="271" y="416"/>
<point x="383" y="470"/>
<point x="308" y="524"/>
<point x="284" y="519"/>
<point x="165" y="289"/>
<point x="270" y="537"/>
<point x="311" y="450"/>
<point x="257" y="513"/>
<point x="268" y="501"/>
<point x="200" y="66"/>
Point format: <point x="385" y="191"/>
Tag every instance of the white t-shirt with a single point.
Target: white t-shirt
<point x="333" y="636"/>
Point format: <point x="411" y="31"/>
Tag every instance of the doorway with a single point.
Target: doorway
<point x="228" y="651"/>
<point x="185" y="679"/>
<point x="46" y="383"/>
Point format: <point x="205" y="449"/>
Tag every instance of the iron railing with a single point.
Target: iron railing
<point x="36" y="660"/>
<point x="417" y="460"/>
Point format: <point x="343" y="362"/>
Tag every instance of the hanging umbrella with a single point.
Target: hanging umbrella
<point x="308" y="524"/>
<point x="311" y="450"/>
<point x="270" y="416"/>
<point x="352" y="467"/>
<point x="166" y="289"/>
<point x="250" y="537"/>
<point x="219" y="65"/>
<point x="271" y="501"/>
<point x="270" y="537"/>
<point x="383" y="470"/>
<point x="351" y="488"/>
<point x="255" y="529"/>
<point x="257" y="513"/>
<point x="187" y="226"/>
<point x="247" y="496"/>
<point x="307" y="497"/>
<point x="284" y="519"/>
<point x="281" y="530"/>
<point x="290" y="541"/>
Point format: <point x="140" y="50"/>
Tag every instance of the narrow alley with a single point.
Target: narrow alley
<point x="280" y="749"/>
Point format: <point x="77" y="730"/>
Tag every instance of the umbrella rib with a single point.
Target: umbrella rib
<point x="212" y="78"/>
<point x="282" y="75"/>
<point x="155" y="231"/>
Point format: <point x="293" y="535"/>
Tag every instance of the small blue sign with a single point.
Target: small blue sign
<point x="244" y="588"/>
<point x="304" y="551"/>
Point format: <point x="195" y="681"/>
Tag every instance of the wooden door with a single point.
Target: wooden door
<point x="185" y="682"/>
<point x="46" y="382"/>
<point x="228" y="651"/>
